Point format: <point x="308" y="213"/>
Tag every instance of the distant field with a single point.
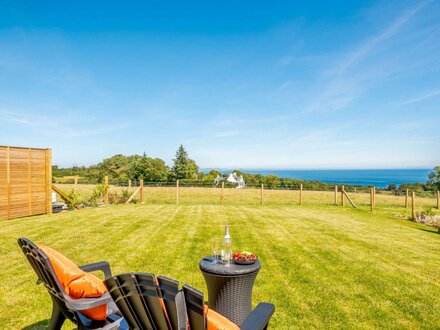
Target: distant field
<point x="249" y="196"/>
<point x="324" y="267"/>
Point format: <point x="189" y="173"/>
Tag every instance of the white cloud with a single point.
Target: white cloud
<point x="385" y="34"/>
<point x="53" y="126"/>
<point x="221" y="135"/>
<point x="421" y="97"/>
<point x="342" y="87"/>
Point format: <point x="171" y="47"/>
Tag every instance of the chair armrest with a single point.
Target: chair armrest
<point x="86" y="303"/>
<point x="259" y="318"/>
<point x="103" y="266"/>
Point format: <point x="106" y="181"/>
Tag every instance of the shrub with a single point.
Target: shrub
<point x="429" y="218"/>
<point x="74" y="196"/>
<point x="98" y="193"/>
<point x="115" y="198"/>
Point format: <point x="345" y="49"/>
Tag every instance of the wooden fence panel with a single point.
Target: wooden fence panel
<point x="25" y="182"/>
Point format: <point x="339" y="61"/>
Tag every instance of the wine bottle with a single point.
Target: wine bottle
<point x="227" y="247"/>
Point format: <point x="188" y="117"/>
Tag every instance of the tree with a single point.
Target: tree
<point x="392" y="187"/>
<point x="184" y="167"/>
<point x="121" y="168"/>
<point x="148" y="169"/>
<point x="272" y="181"/>
<point x="434" y="177"/>
<point x="209" y="177"/>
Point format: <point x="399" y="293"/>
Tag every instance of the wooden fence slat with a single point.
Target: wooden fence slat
<point x="336" y="194"/>
<point x="349" y="199"/>
<point x="29" y="179"/>
<point x="141" y="190"/>
<point x="8" y="178"/>
<point x="65" y="197"/>
<point x="342" y="195"/>
<point x="49" y="181"/>
<point x="300" y="194"/>
<point x="132" y="195"/>
<point x="261" y="194"/>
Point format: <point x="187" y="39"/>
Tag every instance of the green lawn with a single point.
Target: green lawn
<point x="322" y="266"/>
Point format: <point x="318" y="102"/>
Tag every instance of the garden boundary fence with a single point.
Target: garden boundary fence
<point x="184" y="192"/>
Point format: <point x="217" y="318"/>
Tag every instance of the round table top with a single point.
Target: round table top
<point x="233" y="269"/>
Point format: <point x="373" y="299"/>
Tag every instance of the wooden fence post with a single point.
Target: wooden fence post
<point x="141" y="191"/>
<point x="300" y="194"/>
<point x="129" y="183"/>
<point x="177" y="192"/>
<point x="438" y="200"/>
<point x="413" y="205"/>
<point x="75" y="185"/>
<point x="106" y="193"/>
<point x="355" y="190"/>
<point x="336" y="195"/>
<point x="48" y="181"/>
<point x="374" y="196"/>
<point x="342" y="196"/>
<point x="406" y="197"/>
<point x="371" y="199"/>
<point x="221" y="197"/>
<point x="261" y="194"/>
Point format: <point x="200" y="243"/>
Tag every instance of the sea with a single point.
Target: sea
<point x="380" y="178"/>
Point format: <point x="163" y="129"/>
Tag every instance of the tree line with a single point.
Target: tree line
<point x="120" y="169"/>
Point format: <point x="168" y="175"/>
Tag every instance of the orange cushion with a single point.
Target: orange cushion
<point x="76" y="282"/>
<point x="87" y="286"/>
<point x="65" y="269"/>
<point x="217" y="321"/>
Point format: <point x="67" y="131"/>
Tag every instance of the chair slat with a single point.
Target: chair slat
<point x="118" y="297"/>
<point x="139" y="300"/>
<point x="147" y="287"/>
<point x="195" y="307"/>
<point x="168" y="290"/>
<point x="134" y="301"/>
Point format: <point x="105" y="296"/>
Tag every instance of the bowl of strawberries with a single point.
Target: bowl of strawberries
<point x="244" y="258"/>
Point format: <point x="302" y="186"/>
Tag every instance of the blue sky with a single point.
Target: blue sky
<point x="251" y="84"/>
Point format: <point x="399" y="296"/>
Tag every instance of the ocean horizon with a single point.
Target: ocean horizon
<point x="380" y="178"/>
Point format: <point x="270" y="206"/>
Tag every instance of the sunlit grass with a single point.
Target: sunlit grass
<point x="322" y="266"/>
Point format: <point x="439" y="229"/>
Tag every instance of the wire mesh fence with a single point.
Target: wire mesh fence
<point x="186" y="192"/>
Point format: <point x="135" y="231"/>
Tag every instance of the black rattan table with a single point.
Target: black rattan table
<point x="230" y="288"/>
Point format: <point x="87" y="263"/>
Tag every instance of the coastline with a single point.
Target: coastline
<point x="380" y="178"/>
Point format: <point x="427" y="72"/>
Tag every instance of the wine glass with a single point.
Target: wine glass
<point x="215" y="249"/>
